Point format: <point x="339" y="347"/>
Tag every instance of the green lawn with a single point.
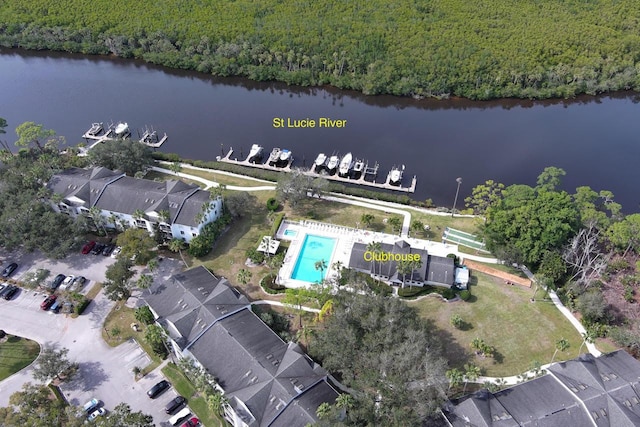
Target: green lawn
<point x="223" y="178"/>
<point x="15" y="354"/>
<point x="167" y="177"/>
<point x="504" y="317"/>
<point x="197" y="403"/>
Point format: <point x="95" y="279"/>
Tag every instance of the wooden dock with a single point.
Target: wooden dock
<point x="386" y="185"/>
<point x="149" y="139"/>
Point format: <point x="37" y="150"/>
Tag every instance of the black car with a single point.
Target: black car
<point x="10" y="292"/>
<point x="174" y="404"/>
<point x="108" y="249"/>
<point x="97" y="249"/>
<point x="9" y="269"/>
<point x="57" y="281"/>
<point x="157" y="389"/>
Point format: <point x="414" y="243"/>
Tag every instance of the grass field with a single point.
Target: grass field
<point x="503" y="316"/>
<point x="196" y="402"/>
<point x="166" y="177"/>
<point x="15" y="354"/>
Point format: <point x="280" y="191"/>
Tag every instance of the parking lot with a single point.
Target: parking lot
<point x="105" y="373"/>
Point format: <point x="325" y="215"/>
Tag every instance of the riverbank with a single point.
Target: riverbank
<point x="447" y="49"/>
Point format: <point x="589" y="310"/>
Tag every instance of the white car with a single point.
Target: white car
<point x="115" y="252"/>
<point x="97" y="413"/>
<point x="66" y="282"/>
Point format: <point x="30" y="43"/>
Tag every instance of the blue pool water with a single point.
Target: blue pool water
<point x="290" y="232"/>
<point x="314" y="248"/>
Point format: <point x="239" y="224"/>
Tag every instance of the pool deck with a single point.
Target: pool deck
<point x="296" y="231"/>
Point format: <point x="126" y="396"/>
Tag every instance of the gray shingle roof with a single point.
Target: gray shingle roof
<point x="192" y="207"/>
<point x="192" y="301"/>
<point x="435" y="269"/>
<point x="578" y="392"/>
<point x="264" y="373"/>
<point x="85" y="184"/>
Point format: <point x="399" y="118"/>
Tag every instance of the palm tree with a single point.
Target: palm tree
<point x="216" y="402"/>
<point x="561" y="345"/>
<point x="96" y="216"/>
<point x="417" y="226"/>
<point x="175" y="167"/>
<point x="144" y="281"/>
<point x="244" y="276"/>
<point x="164" y="216"/>
<point x="138" y="214"/>
<point x="321" y="266"/>
<point x="404" y="267"/>
<point x="177" y="245"/>
<point x="367" y="219"/>
<point x="587" y="337"/>
<point x="323" y="411"/>
<point x="471" y="373"/>
<point x="455" y="377"/>
<point x="338" y="266"/>
<point x="345" y="402"/>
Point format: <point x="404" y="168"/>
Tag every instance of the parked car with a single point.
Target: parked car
<point x="180" y="416"/>
<point x="88" y="247"/>
<point x="108" y="249"/>
<point x="97" y="249"/>
<point x="10" y="292"/>
<point x="78" y="282"/>
<point x="91" y="405"/>
<point x="193" y="422"/>
<point x="174" y="404"/>
<point x="9" y="269"/>
<point x="48" y="302"/>
<point x="56" y="282"/>
<point x="3" y="289"/>
<point x="157" y="389"/>
<point x="115" y="252"/>
<point x="67" y="282"/>
<point x="97" y="413"/>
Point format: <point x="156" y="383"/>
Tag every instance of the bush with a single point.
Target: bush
<point x="456" y="321"/>
<point x="268" y="284"/>
<point x="277" y="220"/>
<point x="416" y="291"/>
<point x="618" y="264"/>
<point x="454" y="257"/>
<point x="465" y="295"/>
<point x="82" y="305"/>
<point x="255" y="256"/>
<point x="628" y="294"/>
<point x="202" y="244"/>
<point x="449" y="293"/>
<point x="273" y="204"/>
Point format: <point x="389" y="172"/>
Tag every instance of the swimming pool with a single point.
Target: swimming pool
<point x="314" y="249"/>
<point x="291" y="233"/>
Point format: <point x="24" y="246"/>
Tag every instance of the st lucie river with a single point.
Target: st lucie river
<point x="595" y="140"/>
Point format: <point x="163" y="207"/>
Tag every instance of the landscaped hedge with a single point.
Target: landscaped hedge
<point x="269" y="285"/>
<point x="273" y="204"/>
<point x="465" y="295"/>
<point x="202" y="244"/>
<point x="416" y="291"/>
<point x="277" y="220"/>
<point x="82" y="305"/>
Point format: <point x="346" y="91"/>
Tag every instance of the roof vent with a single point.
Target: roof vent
<point x="603" y="412"/>
<point x="269" y="356"/>
<point x="253" y="379"/>
<point x="248" y="373"/>
<point x="299" y="388"/>
<point x="275" y="362"/>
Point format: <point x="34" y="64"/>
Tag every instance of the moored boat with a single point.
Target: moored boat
<point x="255" y="153"/>
<point x="395" y="176"/>
<point x="320" y="160"/>
<point x="345" y="165"/>
<point x="332" y="164"/>
<point x="96" y="128"/>
<point x="274" y="157"/>
<point x="122" y="129"/>
<point x="358" y="166"/>
<point x="285" y="155"/>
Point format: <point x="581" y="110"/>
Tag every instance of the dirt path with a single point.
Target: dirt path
<point x="507" y="277"/>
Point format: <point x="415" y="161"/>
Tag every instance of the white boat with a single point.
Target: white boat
<point x="122" y="129"/>
<point x="255" y="153"/>
<point x="96" y="128"/>
<point x="395" y="176"/>
<point x="320" y="160"/>
<point x="358" y="166"/>
<point x="345" y="165"/>
<point x="274" y="157"/>
<point x="285" y="155"/>
<point x="333" y="163"/>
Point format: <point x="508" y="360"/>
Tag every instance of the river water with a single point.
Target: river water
<point x="596" y="140"/>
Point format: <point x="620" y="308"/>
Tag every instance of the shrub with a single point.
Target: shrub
<point x="255" y="256"/>
<point x="273" y="204"/>
<point x="465" y="295"/>
<point x="449" y="293"/>
<point x="268" y="284"/>
<point x="144" y="315"/>
<point x="277" y="220"/>
<point x="82" y="305"/>
<point x="628" y="293"/>
<point x="456" y="321"/>
<point x="618" y="264"/>
<point x="454" y="257"/>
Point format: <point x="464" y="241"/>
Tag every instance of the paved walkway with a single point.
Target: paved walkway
<point x="279" y="304"/>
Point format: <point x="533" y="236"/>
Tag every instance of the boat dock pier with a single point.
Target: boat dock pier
<point x="368" y="171"/>
<point x="98" y="135"/>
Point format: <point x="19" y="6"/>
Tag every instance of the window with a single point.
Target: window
<point x="194" y="234"/>
<point x="181" y="231"/>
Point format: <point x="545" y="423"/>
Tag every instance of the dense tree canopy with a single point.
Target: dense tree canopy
<point x="383" y="350"/>
<point x="126" y="155"/>
<point x="481" y="50"/>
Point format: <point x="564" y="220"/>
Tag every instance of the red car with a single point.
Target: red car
<point x="48" y="302"/>
<point x="87" y="248"/>
<point x="193" y="422"/>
